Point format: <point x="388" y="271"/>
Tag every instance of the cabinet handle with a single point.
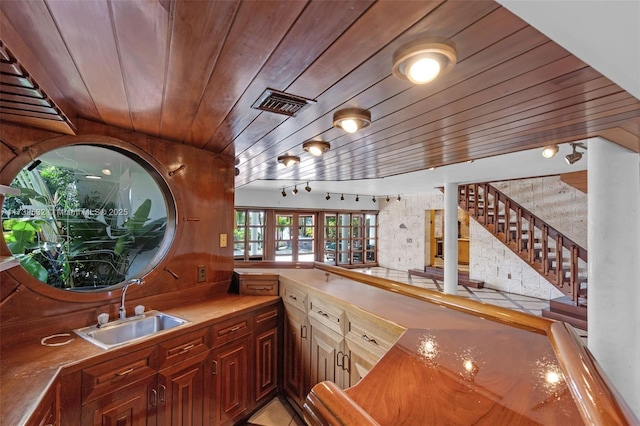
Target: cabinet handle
<point x="293" y="297"/>
<point x="346" y="365"/>
<point x="339" y="356"/>
<point x="154" y="397"/>
<point x="262" y="289"/>
<point x="324" y="314"/>
<point x="234" y="329"/>
<point x="125" y="372"/>
<point x="187" y="348"/>
<point x="370" y="340"/>
<point x="303" y="331"/>
<point x="163" y="393"/>
<point x="215" y="368"/>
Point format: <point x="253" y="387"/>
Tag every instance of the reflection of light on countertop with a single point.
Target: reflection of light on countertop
<point x="550" y="379"/>
<point x="428" y="348"/>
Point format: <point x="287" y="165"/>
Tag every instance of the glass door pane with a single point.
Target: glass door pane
<point x="284" y="237"/>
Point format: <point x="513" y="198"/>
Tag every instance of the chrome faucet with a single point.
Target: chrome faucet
<point x="122" y="310"/>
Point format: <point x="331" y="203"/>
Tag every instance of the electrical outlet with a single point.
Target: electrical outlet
<point x="202" y="274"/>
<point x="223" y="240"/>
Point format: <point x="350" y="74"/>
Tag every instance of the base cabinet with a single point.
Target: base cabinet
<point x="212" y="376"/>
<point x="327" y="355"/>
<point x="127" y="407"/>
<point x="297" y="359"/>
<point x="181" y="393"/>
<point x="230" y="388"/>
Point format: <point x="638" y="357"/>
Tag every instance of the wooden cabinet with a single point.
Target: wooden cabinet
<point x="229" y="382"/>
<point x="267" y="364"/>
<point x="296" y="354"/>
<point x="48" y="411"/>
<point x="129" y="406"/>
<point x="215" y="375"/>
<point x="257" y="284"/>
<point x="327" y="354"/>
<point x="181" y="389"/>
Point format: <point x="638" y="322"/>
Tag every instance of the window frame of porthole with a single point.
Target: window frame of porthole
<point x="157" y="172"/>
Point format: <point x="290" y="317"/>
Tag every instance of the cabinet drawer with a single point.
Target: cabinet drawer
<point x="327" y="314"/>
<point x="267" y="317"/>
<point x="372" y="332"/>
<point x="118" y="373"/>
<point x="258" y="287"/>
<point x="295" y="297"/>
<point x="174" y="351"/>
<point x="231" y="329"/>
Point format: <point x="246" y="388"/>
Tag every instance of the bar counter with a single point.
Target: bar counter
<point x="459" y="362"/>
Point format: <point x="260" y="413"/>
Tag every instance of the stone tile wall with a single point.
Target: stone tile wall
<point x="560" y="205"/>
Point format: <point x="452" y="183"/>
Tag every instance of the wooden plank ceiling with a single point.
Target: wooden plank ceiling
<point x="189" y="71"/>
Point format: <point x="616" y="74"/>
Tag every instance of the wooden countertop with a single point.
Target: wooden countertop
<point x="461" y="362"/>
<point x="28" y="370"/>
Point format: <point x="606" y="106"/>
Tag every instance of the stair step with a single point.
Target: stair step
<point x="558" y="316"/>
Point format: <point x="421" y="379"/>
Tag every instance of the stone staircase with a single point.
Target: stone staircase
<point x="553" y="255"/>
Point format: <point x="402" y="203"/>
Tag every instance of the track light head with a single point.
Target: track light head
<point x="328" y="197"/>
<point x="295" y="190"/>
<point x="388" y="198"/>
<point x="357" y="198"/>
<point x="373" y="199"/>
<point x="341" y="197"/>
<point x="284" y="193"/>
<point x="575" y="155"/>
<point x="307" y="188"/>
<point x="398" y="197"/>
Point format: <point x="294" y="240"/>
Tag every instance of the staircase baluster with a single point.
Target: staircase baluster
<point x="519" y="229"/>
<point x="559" y="261"/>
<point x="573" y="268"/>
<point x="545" y="249"/>
<point x="507" y="220"/>
<point x="485" y="202"/>
<point x="476" y="200"/>
<point x="532" y="234"/>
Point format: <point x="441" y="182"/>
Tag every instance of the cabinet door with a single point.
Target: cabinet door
<point x="230" y="389"/>
<point x="296" y="355"/>
<point x="266" y="365"/>
<point x="327" y="355"/>
<point x="181" y="393"/>
<point x="132" y="406"/>
<point x="48" y="410"/>
<point x="358" y="363"/>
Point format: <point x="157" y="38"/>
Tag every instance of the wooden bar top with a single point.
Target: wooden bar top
<point x="28" y="370"/>
<point x="460" y="362"/>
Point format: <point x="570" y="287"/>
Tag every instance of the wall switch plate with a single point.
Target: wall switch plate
<point x="202" y="274"/>
<point x="223" y="240"/>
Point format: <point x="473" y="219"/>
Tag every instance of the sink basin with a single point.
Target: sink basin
<point x="127" y="330"/>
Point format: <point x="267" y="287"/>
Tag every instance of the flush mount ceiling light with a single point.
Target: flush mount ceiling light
<point x="316" y="148"/>
<point x="421" y="62"/>
<point x="575" y="155"/>
<point x="550" y="151"/>
<point x="351" y="119"/>
<point x="288" y="160"/>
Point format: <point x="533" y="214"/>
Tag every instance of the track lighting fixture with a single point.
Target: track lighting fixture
<point x="351" y="119"/>
<point x="307" y="188"/>
<point x="422" y="61"/>
<point x="387" y="198"/>
<point x="398" y="198"/>
<point x="284" y="193"/>
<point x="288" y="160"/>
<point x="316" y="148"/>
<point x="550" y="151"/>
<point x="341" y="197"/>
<point x="295" y="190"/>
<point x="328" y="197"/>
<point x="357" y="198"/>
<point x="374" y="199"/>
<point x="575" y="155"/>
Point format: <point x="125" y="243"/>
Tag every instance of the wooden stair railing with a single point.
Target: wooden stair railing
<point x="555" y="256"/>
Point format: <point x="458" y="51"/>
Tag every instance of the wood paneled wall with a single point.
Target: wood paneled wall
<point x="203" y="193"/>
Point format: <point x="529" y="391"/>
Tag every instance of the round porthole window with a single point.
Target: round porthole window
<point x="88" y="217"/>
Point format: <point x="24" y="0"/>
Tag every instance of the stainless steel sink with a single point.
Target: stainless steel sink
<point x="131" y="329"/>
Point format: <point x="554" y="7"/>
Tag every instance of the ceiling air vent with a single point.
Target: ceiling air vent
<point x="281" y="103"/>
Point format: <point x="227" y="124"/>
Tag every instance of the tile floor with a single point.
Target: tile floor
<point x="279" y="413"/>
